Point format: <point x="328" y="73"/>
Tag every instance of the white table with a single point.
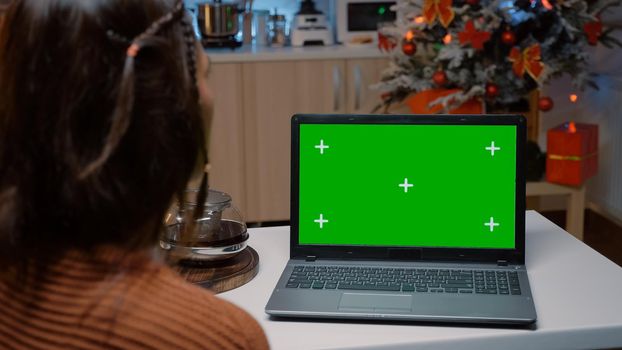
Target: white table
<point x="577" y="291"/>
<point x="575" y="203"/>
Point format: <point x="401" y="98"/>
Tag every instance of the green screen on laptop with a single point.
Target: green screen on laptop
<point x="408" y="185"/>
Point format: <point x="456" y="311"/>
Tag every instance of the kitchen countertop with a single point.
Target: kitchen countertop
<point x="264" y="54"/>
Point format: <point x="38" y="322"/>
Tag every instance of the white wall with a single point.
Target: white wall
<point x="603" y="107"/>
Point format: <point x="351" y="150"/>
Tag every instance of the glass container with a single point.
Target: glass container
<point x="277" y="36"/>
<point x="218" y="233"/>
<point x="261" y="18"/>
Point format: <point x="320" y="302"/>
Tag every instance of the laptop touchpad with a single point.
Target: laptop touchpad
<point x="376" y="302"/>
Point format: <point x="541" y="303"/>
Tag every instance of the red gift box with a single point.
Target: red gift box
<point x="572" y="153"/>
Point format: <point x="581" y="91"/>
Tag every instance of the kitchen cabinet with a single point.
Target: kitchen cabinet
<point x="273" y="92"/>
<point x="253" y="111"/>
<point x="227" y="170"/>
<point x="361" y="73"/>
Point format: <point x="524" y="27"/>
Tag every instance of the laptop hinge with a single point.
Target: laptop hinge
<point x="311" y="258"/>
<point x="502" y="263"/>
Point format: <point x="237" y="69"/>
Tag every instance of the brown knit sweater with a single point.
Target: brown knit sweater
<point x="103" y="300"/>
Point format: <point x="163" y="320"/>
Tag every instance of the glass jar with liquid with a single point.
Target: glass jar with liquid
<point x="218" y="233"/>
<point x="277" y="35"/>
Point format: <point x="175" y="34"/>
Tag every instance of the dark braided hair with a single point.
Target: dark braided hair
<point x="191" y="43"/>
<point x="122" y="114"/>
<point x="133" y="49"/>
<point x="116" y="130"/>
<point x="125" y="98"/>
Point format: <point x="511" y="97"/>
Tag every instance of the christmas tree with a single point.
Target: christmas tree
<point x="489" y="51"/>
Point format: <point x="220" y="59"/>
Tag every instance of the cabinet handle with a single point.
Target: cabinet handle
<point x="336" y="88"/>
<point x="357" y="87"/>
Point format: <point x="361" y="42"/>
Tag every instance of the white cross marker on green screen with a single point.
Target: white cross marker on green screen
<point x="406" y="185"/>
<point x="491" y="224"/>
<point x="322" y="146"/>
<point x="321" y="221"/>
<point x="492" y="148"/>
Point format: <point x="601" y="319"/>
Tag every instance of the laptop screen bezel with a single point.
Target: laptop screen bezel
<point x="355" y="252"/>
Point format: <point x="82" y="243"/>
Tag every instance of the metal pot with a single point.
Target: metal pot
<point x="218" y="19"/>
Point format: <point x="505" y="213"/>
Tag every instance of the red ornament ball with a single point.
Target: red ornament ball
<point x="508" y="38"/>
<point x="439" y="78"/>
<point x="492" y="90"/>
<point x="545" y="104"/>
<point x="472" y="2"/>
<point x="409" y="48"/>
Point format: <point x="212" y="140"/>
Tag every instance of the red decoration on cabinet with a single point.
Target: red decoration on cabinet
<point x="572" y="153"/>
<point x="419" y="103"/>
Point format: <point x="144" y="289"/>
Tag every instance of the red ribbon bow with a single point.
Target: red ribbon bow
<point x="440" y="8"/>
<point x="527" y="61"/>
<point x="472" y="36"/>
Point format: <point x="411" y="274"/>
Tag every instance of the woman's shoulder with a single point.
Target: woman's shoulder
<point x="99" y="300"/>
<point x="191" y="315"/>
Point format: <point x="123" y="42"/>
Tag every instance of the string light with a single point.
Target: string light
<point x="572" y="127"/>
<point x="409" y="35"/>
<point x="447" y="39"/>
<point x="547" y="4"/>
<point x="573" y="98"/>
<point x="419" y="20"/>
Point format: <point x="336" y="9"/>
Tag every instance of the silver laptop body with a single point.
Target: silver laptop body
<point x="359" y="253"/>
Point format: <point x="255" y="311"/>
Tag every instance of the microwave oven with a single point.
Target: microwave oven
<point x="356" y="21"/>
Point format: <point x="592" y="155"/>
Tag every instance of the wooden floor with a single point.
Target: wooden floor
<point x="601" y="234"/>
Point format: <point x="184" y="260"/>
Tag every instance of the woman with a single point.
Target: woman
<point x="100" y="128"/>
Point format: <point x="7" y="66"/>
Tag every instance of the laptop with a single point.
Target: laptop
<point x="407" y="217"/>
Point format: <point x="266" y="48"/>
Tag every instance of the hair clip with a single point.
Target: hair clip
<point x="132" y="50"/>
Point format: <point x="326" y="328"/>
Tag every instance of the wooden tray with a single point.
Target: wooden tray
<point x="224" y="275"/>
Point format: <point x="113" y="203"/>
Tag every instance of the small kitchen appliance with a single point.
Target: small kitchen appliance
<point x="218" y="24"/>
<point x="310" y="26"/>
<point x="357" y="21"/>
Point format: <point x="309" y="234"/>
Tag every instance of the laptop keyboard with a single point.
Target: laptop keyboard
<point x="405" y="280"/>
